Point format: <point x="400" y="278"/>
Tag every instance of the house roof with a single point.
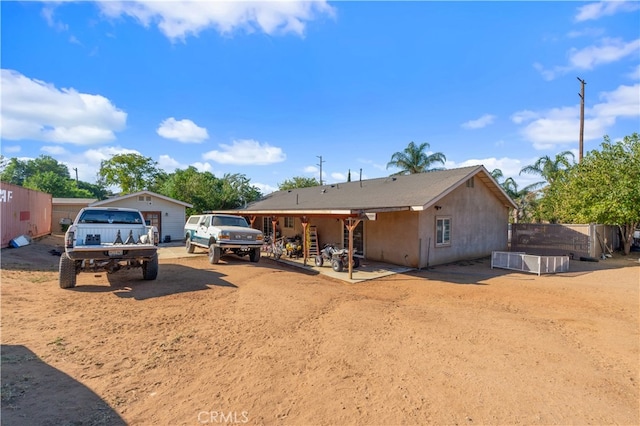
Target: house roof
<point x="395" y="193"/>
<point x="72" y="201"/>
<point x="135" y="194"/>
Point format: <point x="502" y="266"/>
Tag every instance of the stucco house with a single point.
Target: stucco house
<point x="64" y="210"/>
<point x="165" y="213"/>
<point x="415" y="220"/>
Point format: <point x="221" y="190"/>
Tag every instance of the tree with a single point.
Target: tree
<point x="415" y="159"/>
<point x="298" y="182"/>
<point x="48" y="175"/>
<point x="130" y="172"/>
<point x="550" y="169"/>
<point x="56" y="185"/>
<point x="524" y="198"/>
<point x="497" y="174"/>
<point x="193" y="187"/>
<point x="206" y="192"/>
<point x="604" y="188"/>
<point x="235" y="190"/>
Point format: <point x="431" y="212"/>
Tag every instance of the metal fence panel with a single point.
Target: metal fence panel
<point x="529" y="263"/>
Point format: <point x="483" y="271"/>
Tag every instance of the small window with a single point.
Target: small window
<point x="470" y="182"/>
<point x="140" y="197"/>
<point x="148" y="198"/>
<point x="288" y="222"/>
<point x="443" y="231"/>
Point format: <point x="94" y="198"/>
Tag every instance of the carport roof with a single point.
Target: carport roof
<point x="395" y="193"/>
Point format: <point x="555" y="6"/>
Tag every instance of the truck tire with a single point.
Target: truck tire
<point x="188" y="245"/>
<point x="214" y="254"/>
<point x="336" y="264"/>
<point x="67" y="272"/>
<point x="150" y="268"/>
<point x="254" y="255"/>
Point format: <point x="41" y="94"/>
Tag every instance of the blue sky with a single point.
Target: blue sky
<point x="264" y="89"/>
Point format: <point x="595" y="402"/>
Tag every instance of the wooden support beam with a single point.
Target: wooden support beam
<point x="351" y="225"/>
<point x="305" y="238"/>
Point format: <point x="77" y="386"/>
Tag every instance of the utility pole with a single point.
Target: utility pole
<point x="76" y="170"/>
<point x="320" y="157"/>
<point x="581" y="94"/>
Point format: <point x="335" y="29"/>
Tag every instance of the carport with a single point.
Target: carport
<point x="351" y="220"/>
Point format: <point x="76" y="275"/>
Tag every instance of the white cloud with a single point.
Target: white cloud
<point x="311" y="169"/>
<point x="586" y="32"/>
<point x="48" y="15"/>
<point x="481" y="122"/>
<point x="54" y="150"/>
<point x="634" y="74"/>
<point x="168" y="164"/>
<point x="12" y="149"/>
<point x="371" y="163"/>
<point x="246" y="152"/>
<point x="610" y="50"/>
<point x="179" y="19"/>
<point x="185" y="131"/>
<point x="522" y="116"/>
<point x="265" y="188"/>
<point x="203" y="167"/>
<point x="33" y="109"/>
<point x="593" y="11"/>
<point x="510" y="168"/>
<point x="622" y="102"/>
<point x="558" y="126"/>
<point x="338" y="177"/>
<point x="88" y="162"/>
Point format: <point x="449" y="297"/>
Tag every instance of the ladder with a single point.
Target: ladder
<point x="312" y="242"/>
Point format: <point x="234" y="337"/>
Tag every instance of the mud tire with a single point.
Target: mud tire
<point x="67" y="272"/>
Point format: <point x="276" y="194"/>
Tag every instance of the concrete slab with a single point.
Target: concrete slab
<point x="368" y="270"/>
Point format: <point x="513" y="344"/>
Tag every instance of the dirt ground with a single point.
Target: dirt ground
<point x="266" y="343"/>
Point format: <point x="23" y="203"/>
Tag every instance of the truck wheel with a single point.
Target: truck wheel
<point x="188" y="245"/>
<point x="214" y="254"/>
<point x="336" y="264"/>
<point x="319" y="261"/>
<point x="254" y="255"/>
<point x="150" y="268"/>
<point x="67" y="272"/>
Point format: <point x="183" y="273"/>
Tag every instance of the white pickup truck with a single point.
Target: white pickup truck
<point x="221" y="234"/>
<point x="108" y="239"/>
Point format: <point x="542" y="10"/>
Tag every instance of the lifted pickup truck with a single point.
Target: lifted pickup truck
<point x="221" y="234"/>
<point x="108" y="239"/>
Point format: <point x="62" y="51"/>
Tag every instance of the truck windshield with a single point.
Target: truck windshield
<point x="229" y="221"/>
<point x="100" y="216"/>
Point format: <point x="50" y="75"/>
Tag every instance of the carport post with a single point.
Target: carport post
<point x="274" y="222"/>
<point x="305" y="246"/>
<point x="351" y="225"/>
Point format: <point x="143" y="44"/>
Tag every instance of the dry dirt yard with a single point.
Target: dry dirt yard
<point x="266" y="343"/>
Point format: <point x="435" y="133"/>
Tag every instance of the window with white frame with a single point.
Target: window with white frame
<point x="288" y="222"/>
<point x="443" y="231"/>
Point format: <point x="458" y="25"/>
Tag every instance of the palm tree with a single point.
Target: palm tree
<point x="524" y="198"/>
<point x="549" y="169"/>
<point x="414" y="159"/>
